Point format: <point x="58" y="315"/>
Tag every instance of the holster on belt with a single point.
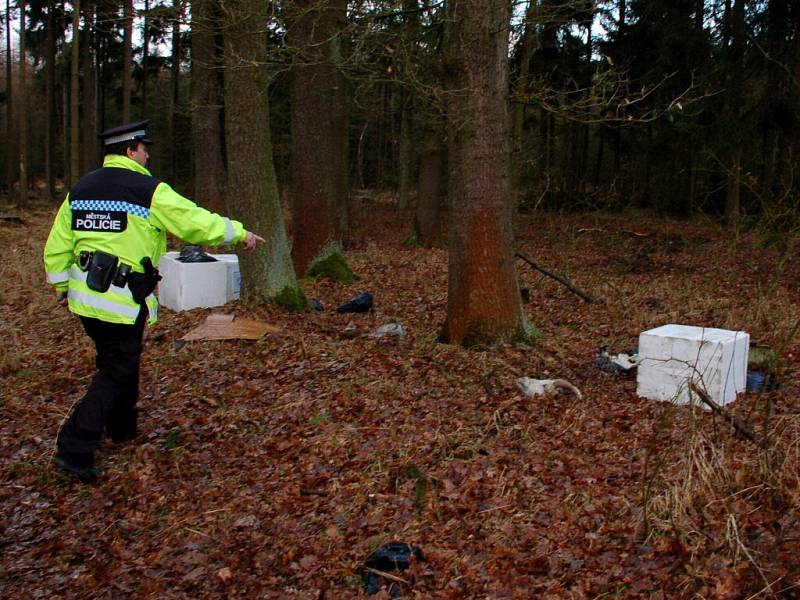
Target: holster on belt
<point x="143" y="284"/>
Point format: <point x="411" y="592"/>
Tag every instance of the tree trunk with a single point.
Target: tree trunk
<point x="405" y="156"/>
<point x="406" y="62"/>
<point x="267" y="272"/>
<point x="733" y="194"/>
<point x="145" y="57"/>
<point x="11" y="150"/>
<point x="174" y="102"/>
<point x="23" y="110"/>
<point x="341" y="121"/>
<point x="316" y="149"/>
<point x="483" y="300"/>
<point x="520" y="99"/>
<point x="208" y="139"/>
<point x="50" y="103"/>
<point x="89" y="95"/>
<point x="74" y="99"/>
<point x="428" y="219"/>
<point x="735" y="100"/>
<point x="127" y="60"/>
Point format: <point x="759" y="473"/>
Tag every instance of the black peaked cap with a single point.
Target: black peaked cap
<point x="124" y="133"/>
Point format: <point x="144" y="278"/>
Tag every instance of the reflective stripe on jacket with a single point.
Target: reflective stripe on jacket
<point x="123" y="211"/>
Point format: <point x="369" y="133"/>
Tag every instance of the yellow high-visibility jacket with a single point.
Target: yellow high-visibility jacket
<point x="120" y="209"/>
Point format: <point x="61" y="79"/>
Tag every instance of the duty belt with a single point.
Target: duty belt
<point x="103" y="270"/>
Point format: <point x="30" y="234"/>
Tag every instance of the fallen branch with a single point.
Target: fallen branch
<point x="390" y="576"/>
<point x="740" y="427"/>
<point x="561" y="279"/>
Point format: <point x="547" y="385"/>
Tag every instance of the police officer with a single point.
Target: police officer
<point x="101" y="256"/>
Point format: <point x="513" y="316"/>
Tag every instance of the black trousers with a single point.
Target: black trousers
<point x="110" y="401"/>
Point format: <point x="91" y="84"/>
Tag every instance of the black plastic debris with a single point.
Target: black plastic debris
<point x="360" y="304"/>
<point x="194" y="254"/>
<point x="315" y="304"/>
<point x="383" y="568"/>
<point x="624" y="362"/>
<point x="761" y="382"/>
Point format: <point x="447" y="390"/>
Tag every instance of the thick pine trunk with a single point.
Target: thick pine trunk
<point x="483" y="300"/>
<point x="431" y="190"/>
<point x="208" y="138"/>
<point x="316" y="140"/>
<point x="267" y="272"/>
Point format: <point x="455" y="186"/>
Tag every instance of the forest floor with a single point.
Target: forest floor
<point x="273" y="468"/>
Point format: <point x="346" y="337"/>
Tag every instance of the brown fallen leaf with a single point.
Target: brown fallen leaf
<point x="224" y="574"/>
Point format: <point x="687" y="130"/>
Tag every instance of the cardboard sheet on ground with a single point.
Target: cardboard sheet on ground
<point x="227" y="327"/>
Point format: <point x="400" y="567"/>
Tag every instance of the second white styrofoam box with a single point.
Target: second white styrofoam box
<point x="671" y="355"/>
<point x="184" y="286"/>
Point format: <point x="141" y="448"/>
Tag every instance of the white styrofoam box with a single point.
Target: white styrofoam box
<point x="197" y="285"/>
<point x="671" y="355"/>
<point x="234" y="275"/>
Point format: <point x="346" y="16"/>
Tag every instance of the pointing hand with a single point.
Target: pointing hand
<point x="252" y="240"/>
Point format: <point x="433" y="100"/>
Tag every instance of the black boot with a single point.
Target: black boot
<point x="78" y="465"/>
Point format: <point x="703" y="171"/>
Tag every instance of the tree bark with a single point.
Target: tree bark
<point x="208" y="139"/>
<point x="406" y="63"/>
<point x="89" y="95"/>
<point x="316" y="150"/>
<point x="23" y="110"/>
<point x="405" y="157"/>
<point x="483" y="300"/>
<point x="735" y="101"/>
<point x="127" y="60"/>
<point x="50" y="103"/>
<point x="267" y="272"/>
<point x="11" y="149"/>
<point x="431" y="190"/>
<point x="174" y="101"/>
<point x="145" y="57"/>
<point x="74" y="99"/>
<point x="520" y="103"/>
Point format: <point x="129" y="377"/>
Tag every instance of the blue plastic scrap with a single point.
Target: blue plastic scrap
<point x="760" y="382"/>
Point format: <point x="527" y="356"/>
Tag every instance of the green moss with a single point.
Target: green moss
<point x="529" y="332"/>
<point x="412" y="241"/>
<point x="333" y="266"/>
<point x="526" y="333"/>
<point x="292" y="298"/>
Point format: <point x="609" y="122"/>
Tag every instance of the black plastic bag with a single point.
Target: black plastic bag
<point x="360" y="304"/>
<point x="393" y="557"/>
<point x="194" y="254"/>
